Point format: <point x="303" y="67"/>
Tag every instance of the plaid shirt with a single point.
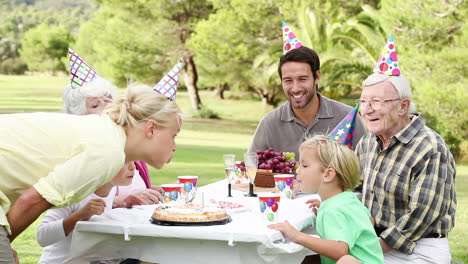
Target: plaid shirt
<point x="408" y="186"/>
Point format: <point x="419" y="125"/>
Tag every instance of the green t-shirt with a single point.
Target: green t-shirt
<point x="344" y="218"/>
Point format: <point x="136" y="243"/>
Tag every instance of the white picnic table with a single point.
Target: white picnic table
<point x="128" y="233"/>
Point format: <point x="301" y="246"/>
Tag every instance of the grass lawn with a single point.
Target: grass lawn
<point x="200" y="146"/>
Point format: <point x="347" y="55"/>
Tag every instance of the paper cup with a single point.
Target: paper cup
<point x="269" y="205"/>
<point x="189" y="187"/>
<point x="284" y="185"/>
<point x="171" y="192"/>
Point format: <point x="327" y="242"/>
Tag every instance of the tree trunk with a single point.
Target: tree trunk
<point x="264" y="102"/>
<point x="191" y="78"/>
<point x="219" y="92"/>
<point x="268" y="97"/>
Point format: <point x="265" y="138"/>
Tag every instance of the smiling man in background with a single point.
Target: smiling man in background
<point x="306" y="112"/>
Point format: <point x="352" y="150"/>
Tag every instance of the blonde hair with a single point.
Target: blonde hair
<point x="74" y="99"/>
<point x="332" y="154"/>
<point x="141" y="103"/>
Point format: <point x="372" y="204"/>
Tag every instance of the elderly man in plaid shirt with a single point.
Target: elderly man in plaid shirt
<point x="408" y="175"/>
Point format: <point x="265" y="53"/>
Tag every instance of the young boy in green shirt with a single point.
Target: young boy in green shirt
<point x="343" y="223"/>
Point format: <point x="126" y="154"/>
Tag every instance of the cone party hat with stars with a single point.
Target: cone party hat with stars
<point x="344" y="131"/>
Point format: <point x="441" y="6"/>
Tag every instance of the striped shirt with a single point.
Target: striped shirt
<point x="409" y="186"/>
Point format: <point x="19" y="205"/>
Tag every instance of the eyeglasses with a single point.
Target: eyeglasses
<point x="376" y="104"/>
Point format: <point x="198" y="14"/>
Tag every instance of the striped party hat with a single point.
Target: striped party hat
<point x="167" y="86"/>
<point x="290" y="41"/>
<point x="80" y="72"/>
<point x="344" y="132"/>
<point x="388" y="61"/>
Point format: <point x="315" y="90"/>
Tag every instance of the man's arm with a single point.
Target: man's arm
<point x="29" y="206"/>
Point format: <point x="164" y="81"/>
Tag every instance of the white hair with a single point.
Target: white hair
<point x="74" y="99"/>
<point x="401" y="84"/>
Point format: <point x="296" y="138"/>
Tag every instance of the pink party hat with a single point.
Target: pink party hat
<point x="388" y="61"/>
<point x="290" y="41"/>
<point x="167" y="86"/>
<point x="80" y="71"/>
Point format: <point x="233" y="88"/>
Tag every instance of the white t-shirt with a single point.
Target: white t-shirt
<point x="50" y="233"/>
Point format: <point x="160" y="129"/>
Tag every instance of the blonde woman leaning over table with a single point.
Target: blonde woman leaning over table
<point x="53" y="159"/>
<point x="92" y="98"/>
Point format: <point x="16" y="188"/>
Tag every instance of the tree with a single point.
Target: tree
<point x="184" y="15"/>
<point x="231" y="38"/>
<point x="432" y="51"/>
<point x="132" y="48"/>
<point x="143" y="39"/>
<point x="43" y="48"/>
<point x="252" y="47"/>
<point x="18" y="17"/>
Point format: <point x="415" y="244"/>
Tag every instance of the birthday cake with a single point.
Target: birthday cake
<point x="190" y="213"/>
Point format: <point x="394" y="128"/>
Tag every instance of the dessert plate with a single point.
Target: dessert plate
<point x="177" y="223"/>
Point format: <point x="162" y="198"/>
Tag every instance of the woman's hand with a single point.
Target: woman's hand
<point x="314" y="204"/>
<point x="157" y="188"/>
<point x="148" y="196"/>
<point x="287" y="229"/>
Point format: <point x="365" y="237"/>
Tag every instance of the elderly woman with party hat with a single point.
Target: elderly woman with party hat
<point x="56" y="160"/>
<point x="91" y="98"/>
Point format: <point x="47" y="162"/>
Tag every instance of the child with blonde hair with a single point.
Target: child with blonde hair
<point x="343" y="223"/>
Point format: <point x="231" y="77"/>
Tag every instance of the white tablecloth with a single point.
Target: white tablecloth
<point x="128" y="233"/>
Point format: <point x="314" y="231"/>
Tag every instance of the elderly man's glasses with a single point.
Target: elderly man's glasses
<point x="376" y="104"/>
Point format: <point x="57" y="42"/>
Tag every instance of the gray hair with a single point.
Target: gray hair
<point x="74" y="99"/>
<point x="401" y="84"/>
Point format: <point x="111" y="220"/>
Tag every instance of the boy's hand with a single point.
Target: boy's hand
<point x="287" y="229"/>
<point x="314" y="204"/>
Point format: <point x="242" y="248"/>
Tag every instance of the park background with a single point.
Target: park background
<point x="230" y="50"/>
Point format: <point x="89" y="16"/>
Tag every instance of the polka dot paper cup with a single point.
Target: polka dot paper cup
<point x="171" y="192"/>
<point x="284" y="185"/>
<point x="189" y="187"/>
<point x="269" y="205"/>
